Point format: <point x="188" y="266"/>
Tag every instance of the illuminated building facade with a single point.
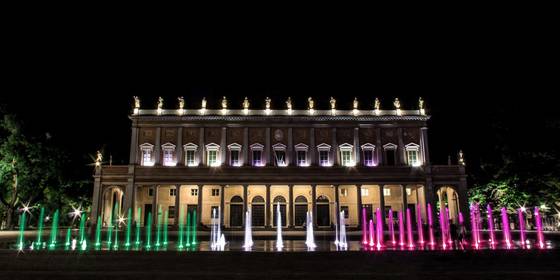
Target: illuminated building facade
<point x="233" y="160"/>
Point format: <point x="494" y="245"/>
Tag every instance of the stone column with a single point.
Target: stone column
<point x="357" y="146"/>
<point x="429" y="192"/>
<point x="223" y="146"/>
<point x="245" y="209"/>
<point x="155" y="205"/>
<point x="312" y="159"/>
<point x="180" y="159"/>
<point x="400" y="149"/>
<point x="201" y="148"/>
<point x="359" y="201"/>
<point x="382" y="202"/>
<point x="222" y="197"/>
<point x="267" y="208"/>
<point x="424" y="145"/>
<point x="177" y="204"/>
<point x="129" y="195"/>
<point x="199" y="207"/>
<point x="290" y="205"/>
<point x="133" y="144"/>
<point x="157" y="148"/>
<point x="337" y="204"/>
<point x="314" y="204"/>
<point x="404" y="202"/>
<point x="267" y="147"/>
<point x="290" y="148"/>
<point x="378" y="147"/>
<point x="334" y="151"/>
<point x="245" y="146"/>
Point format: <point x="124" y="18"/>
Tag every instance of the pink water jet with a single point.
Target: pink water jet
<point x="409" y="229"/>
<point x="491" y="226"/>
<point x="448" y="227"/>
<point x="442" y="224"/>
<point x="521" y="219"/>
<point x="401" y="229"/>
<point x="364" y="227"/>
<point x="431" y="225"/>
<point x="474" y="227"/>
<point x="371" y="234"/>
<point x="461" y="228"/>
<point x="540" y="235"/>
<point x="392" y="227"/>
<point x="380" y="221"/>
<point x="505" y="228"/>
<point x="419" y="226"/>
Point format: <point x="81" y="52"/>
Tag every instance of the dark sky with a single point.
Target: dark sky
<point x="80" y="89"/>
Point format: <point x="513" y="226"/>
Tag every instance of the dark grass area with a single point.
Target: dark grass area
<point x="499" y="264"/>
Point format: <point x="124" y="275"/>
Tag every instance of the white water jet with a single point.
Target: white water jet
<point x="248" y="233"/>
<point x="342" y="238"/>
<point x="279" y="241"/>
<point x="73" y="246"/>
<point x="310" y="239"/>
<point x="336" y="241"/>
<point x="217" y="239"/>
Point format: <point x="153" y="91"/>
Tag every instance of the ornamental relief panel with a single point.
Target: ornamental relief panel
<point x="411" y="135"/>
<point x="213" y="135"/>
<point x="279" y="135"/>
<point x="190" y="135"/>
<point x="345" y="135"/>
<point x="389" y="135"/>
<point x="323" y="135"/>
<point x="235" y="135"/>
<point x="257" y="135"/>
<point x="147" y="135"/>
<point x="368" y="135"/>
<point x="301" y="135"/>
<point x="169" y="135"/>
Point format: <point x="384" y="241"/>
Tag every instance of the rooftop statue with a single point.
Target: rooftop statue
<point x="377" y="104"/>
<point x="333" y="103"/>
<point x="355" y="103"/>
<point x="181" y="102"/>
<point x="397" y="103"/>
<point x="289" y="103"/>
<point x="267" y="102"/>
<point x="160" y="103"/>
<point x="136" y="102"/>
<point x="224" y="103"/>
<point x="420" y="103"/>
<point x="203" y="102"/>
<point x="246" y="103"/>
<point x="311" y="103"/>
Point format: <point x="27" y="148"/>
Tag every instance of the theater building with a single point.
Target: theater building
<point x="234" y="160"/>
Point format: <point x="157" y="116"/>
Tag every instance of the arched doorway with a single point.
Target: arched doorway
<point x="236" y="211"/>
<point x="257" y="211"/>
<point x="449" y="198"/>
<point x="323" y="217"/>
<point x="279" y="201"/>
<point x="112" y="204"/>
<point x="300" y="211"/>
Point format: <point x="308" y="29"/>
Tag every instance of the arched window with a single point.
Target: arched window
<point x="236" y="199"/>
<point x="257" y="199"/>
<point x="300" y="199"/>
<point x="279" y="199"/>
<point x="322" y="199"/>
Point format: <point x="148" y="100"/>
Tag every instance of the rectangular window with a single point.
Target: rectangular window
<point x="365" y="192"/>
<point x="189" y="158"/>
<point x="324" y="158"/>
<point x="168" y="158"/>
<point x="172" y="192"/>
<point x="234" y="158"/>
<point x="150" y="192"/>
<point x="280" y="158"/>
<point x="344" y="192"/>
<point x="194" y="192"/>
<point x="212" y="158"/>
<point x="386" y="192"/>
<point x="346" y="158"/>
<point x="215" y="192"/>
<point x="390" y="156"/>
<point x="368" y="158"/>
<point x="171" y="212"/>
<point x="257" y="158"/>
<point x="408" y="191"/>
<point x="412" y="157"/>
<point x="146" y="157"/>
<point x="302" y="158"/>
<point x="345" y="209"/>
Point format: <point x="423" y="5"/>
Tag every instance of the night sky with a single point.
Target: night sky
<point x="82" y="95"/>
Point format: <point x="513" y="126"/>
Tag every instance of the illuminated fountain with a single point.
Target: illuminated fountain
<point x="68" y="239"/>
<point x="39" y="242"/>
<point x="248" y="243"/>
<point x="82" y="232"/>
<point x="540" y="235"/>
<point x="336" y="241"/>
<point x="431" y="225"/>
<point x="521" y="220"/>
<point x="474" y="227"/>
<point x="364" y="227"/>
<point x="180" y="230"/>
<point x="138" y="214"/>
<point x="392" y="227"/>
<point x="442" y="228"/>
<point x="379" y="221"/>
<point x="401" y="229"/>
<point x="98" y="233"/>
<point x="218" y="241"/>
<point x="409" y="229"/>
<point x="279" y="241"/>
<point x="309" y="238"/>
<point x="193" y="229"/>
<point x="54" y="231"/>
<point x="419" y="226"/>
<point x="165" y="228"/>
<point x="20" y="244"/>
<point x="342" y="239"/>
<point x="371" y="234"/>
<point x="490" y="218"/>
<point x="158" y="228"/>
<point x="188" y="231"/>
<point x="505" y="228"/>
<point x="148" y="227"/>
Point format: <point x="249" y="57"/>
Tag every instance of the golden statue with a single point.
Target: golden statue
<point x="461" y="158"/>
<point x="246" y="103"/>
<point x="203" y="102"/>
<point x="397" y="103"/>
<point x="224" y="103"/>
<point x="160" y="103"/>
<point x="311" y="103"/>
<point x="333" y="103"/>
<point x="289" y="103"/>
<point x="267" y="102"/>
<point x="181" y="102"/>
<point x="377" y="104"/>
<point x="98" y="159"/>
<point x="136" y="102"/>
<point x="355" y="103"/>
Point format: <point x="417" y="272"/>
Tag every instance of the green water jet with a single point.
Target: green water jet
<point x="54" y="231"/>
<point x="40" y="228"/>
